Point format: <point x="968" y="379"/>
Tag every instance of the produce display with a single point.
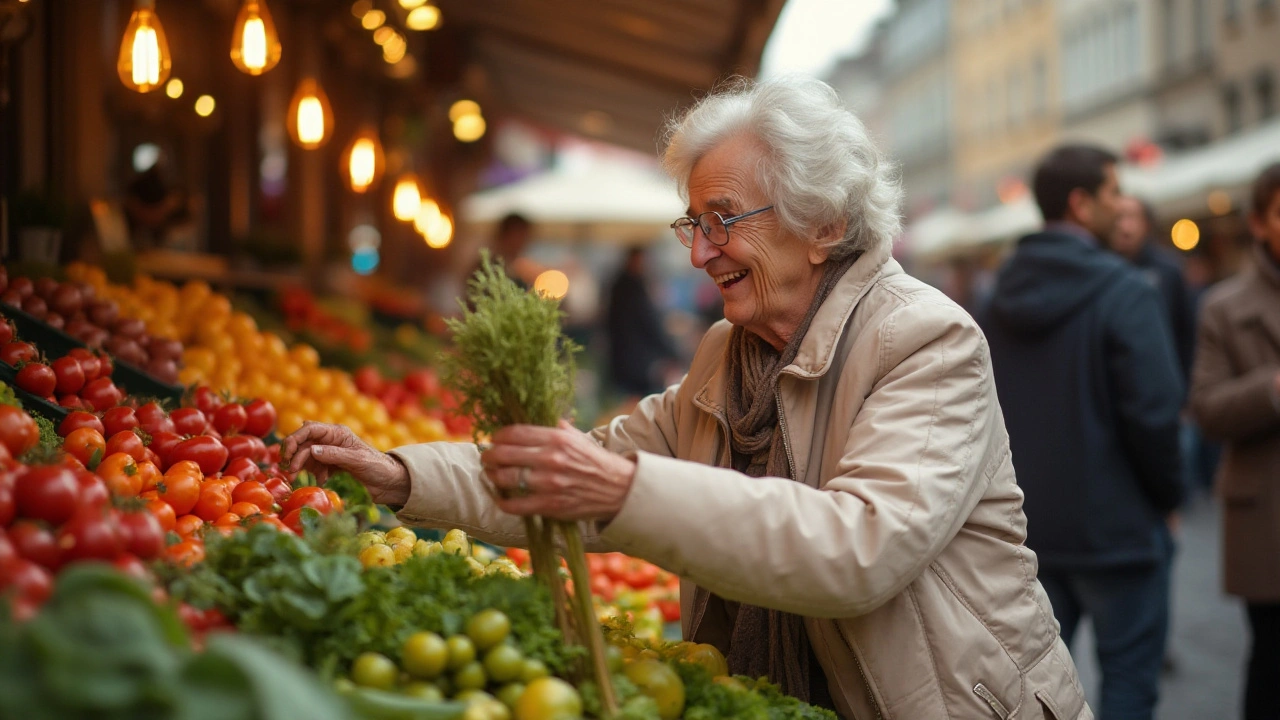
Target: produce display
<point x="156" y="561"/>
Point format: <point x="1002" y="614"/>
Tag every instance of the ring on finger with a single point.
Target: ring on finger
<point x="522" y="483"/>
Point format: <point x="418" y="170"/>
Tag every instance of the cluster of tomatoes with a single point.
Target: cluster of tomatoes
<point x="303" y="314"/>
<point x="417" y="393"/>
<point x="80" y="379"/>
<point x="631" y="584"/>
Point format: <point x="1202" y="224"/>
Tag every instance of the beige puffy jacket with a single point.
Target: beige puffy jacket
<point x="901" y="542"/>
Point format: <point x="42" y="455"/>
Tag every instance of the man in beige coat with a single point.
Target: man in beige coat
<point x="832" y="479"/>
<point x="1235" y="396"/>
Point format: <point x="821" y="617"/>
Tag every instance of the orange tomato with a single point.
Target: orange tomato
<point x="181" y="491"/>
<point x="252" y="491"/>
<point x="150" y="475"/>
<point x="334" y="500"/>
<point x="231" y="481"/>
<point x="185" y="467"/>
<point x="187" y="525"/>
<point x="120" y="472"/>
<point x="215" y="499"/>
<point x="186" y="552"/>
<point x="83" y="443"/>
<point x="164" y="513"/>
<point x="227" y="519"/>
<point x="245" y="509"/>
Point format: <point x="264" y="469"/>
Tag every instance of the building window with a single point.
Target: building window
<point x="1264" y="86"/>
<point x="1170" y="33"/>
<point x="1231" y="106"/>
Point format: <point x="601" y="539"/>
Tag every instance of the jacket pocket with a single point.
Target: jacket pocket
<point x="992" y="701"/>
<point x="1051" y="711"/>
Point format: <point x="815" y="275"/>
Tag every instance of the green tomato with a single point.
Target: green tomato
<point x="461" y="651"/>
<point x="510" y="694"/>
<point x="532" y="670"/>
<point x="549" y="698"/>
<point x="343" y="685"/>
<point x="473" y="697"/>
<point x="423" y="691"/>
<point x="504" y="663"/>
<point x="425" y="655"/>
<point x="657" y="680"/>
<point x="375" y="670"/>
<point x="471" y="677"/>
<point x="488" y="628"/>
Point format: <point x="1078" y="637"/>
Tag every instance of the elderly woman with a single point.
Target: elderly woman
<point x="831" y="479"/>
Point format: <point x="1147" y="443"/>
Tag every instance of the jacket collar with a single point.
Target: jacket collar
<point x="817" y="349"/>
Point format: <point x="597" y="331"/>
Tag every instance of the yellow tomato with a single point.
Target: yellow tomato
<point x="289" y="375"/>
<point x="216" y="306"/>
<point x="273" y="347"/>
<point x="318" y="383"/>
<point x="307" y="407"/>
<point x="288" y="422"/>
<point x="191" y="376"/>
<point x="305" y="355"/>
<point x="199" y="358"/>
<point x="194" y="293"/>
<point x="241" y="325"/>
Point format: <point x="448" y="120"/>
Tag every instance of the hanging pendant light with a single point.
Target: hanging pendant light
<point x="310" y="115"/>
<point x="255" y="46"/>
<point x="363" y="160"/>
<point x="406" y="201"/>
<point x="144" y="61"/>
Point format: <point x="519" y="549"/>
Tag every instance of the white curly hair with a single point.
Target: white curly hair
<point x="820" y="165"/>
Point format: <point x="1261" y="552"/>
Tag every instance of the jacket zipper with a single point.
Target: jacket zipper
<point x="786" y="439"/>
<point x="857" y="661"/>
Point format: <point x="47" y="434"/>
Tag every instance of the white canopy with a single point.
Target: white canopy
<point x="592" y="199"/>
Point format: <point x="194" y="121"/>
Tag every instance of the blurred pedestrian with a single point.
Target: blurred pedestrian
<point x="1088" y="381"/>
<point x="640" y="352"/>
<point x="1235" y="396"/>
<point x="509" y="242"/>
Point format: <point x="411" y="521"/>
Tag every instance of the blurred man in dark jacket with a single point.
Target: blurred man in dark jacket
<point x="638" y="344"/>
<point x="1090" y="386"/>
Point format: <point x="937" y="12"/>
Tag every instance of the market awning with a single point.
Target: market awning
<point x="610" y="69"/>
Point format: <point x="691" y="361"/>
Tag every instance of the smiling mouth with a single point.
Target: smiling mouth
<point x="728" y="280"/>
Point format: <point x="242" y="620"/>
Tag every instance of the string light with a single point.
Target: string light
<point x="364" y="160"/>
<point x="406" y="201"/>
<point x="310" y="115"/>
<point x="255" y="46"/>
<point x="205" y="105"/>
<point x="144" y="61"/>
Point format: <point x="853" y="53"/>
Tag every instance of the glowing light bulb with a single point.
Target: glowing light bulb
<point x="364" y="160"/>
<point x="310" y="115"/>
<point x="426" y="17"/>
<point x="1185" y="234"/>
<point x="469" y="128"/>
<point x="373" y="19"/>
<point x="439" y="233"/>
<point x="255" y="46"/>
<point x="205" y="105"/>
<point x="144" y="61"/>
<point x="406" y="201"/>
<point x="462" y="108"/>
<point x="428" y="213"/>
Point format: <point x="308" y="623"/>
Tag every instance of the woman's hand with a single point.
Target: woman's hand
<point x="320" y="449"/>
<point x="556" y="472"/>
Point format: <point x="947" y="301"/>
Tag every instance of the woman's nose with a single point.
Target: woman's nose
<point x="703" y="250"/>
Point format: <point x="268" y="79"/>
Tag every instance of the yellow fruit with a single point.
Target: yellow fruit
<point x="305" y="355"/>
<point x="456" y="542"/>
<point x="377" y="556"/>
<point x="370" y="537"/>
<point x="476" y="568"/>
<point x="400" y="534"/>
<point x="422" y="548"/>
<point x="402" y="551"/>
<point x="657" y="680"/>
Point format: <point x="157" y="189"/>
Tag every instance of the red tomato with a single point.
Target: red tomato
<point x="102" y="394"/>
<point x="37" y="379"/>
<point x="143" y="534"/>
<point x="91" y="534"/>
<point x="162" y="444"/>
<point x="8" y="506"/>
<point x="31" y="583"/>
<point x="18" y="432"/>
<point x="188" y="421"/>
<point x="91" y="491"/>
<point x="127" y="442"/>
<point x="242" y="467"/>
<point x="133" y="567"/>
<point x="215" y="499"/>
<point x="335" y="500"/>
<point x="245" y="509"/>
<point x="119" y="419"/>
<point x="229" y="418"/>
<point x="105" y="366"/>
<point x="120" y="473"/>
<point x="70" y="375"/>
<point x="153" y="418"/>
<point x="185" y="553"/>
<point x="293" y="521"/>
<point x="150" y="475"/>
<point x="77" y="419"/>
<point x="423" y="382"/>
<point x="18" y="352"/>
<point x="6" y="332"/>
<point x="181" y="489"/>
<point x="260" y="418"/>
<point x="89" y="363"/>
<point x="227" y="520"/>
<point x="615" y="566"/>
<point x="279" y="489"/>
<point x="312" y="497"/>
<point x="204" y="451"/>
<point x="206" y="400"/>
<point x="34" y="542"/>
<point x="640" y="575"/>
<point x="85" y="445"/>
<point x="163" y="513"/>
<point x="248" y="446"/>
<point x="73" y="402"/>
<point x="46" y="492"/>
<point x="669" y="606"/>
<point x="601" y="587"/>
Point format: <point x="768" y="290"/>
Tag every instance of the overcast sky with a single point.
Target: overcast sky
<point x="812" y="34"/>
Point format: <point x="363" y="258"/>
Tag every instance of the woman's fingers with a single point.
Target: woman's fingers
<point x="530" y="435"/>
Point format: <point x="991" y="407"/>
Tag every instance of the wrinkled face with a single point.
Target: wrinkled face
<point x="1131" y="228"/>
<point x="767" y="276"/>
<point x="1266" y="226"/>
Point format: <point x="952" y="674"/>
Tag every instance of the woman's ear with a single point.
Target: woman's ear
<point x="827" y="237"/>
